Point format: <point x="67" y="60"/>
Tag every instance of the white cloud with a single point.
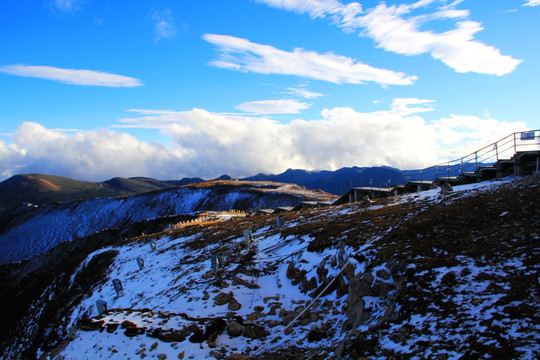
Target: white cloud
<point x="315" y="8"/>
<point x="394" y="29"/>
<point x="207" y="144"/>
<point x="401" y="106"/>
<point x="532" y="3"/>
<point x="303" y="93"/>
<point x="273" y="107"/>
<point x="66" y="5"/>
<point x="242" y="55"/>
<point x="71" y="76"/>
<point x="164" y="24"/>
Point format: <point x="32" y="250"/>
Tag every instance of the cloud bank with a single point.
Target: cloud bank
<point x="209" y="144"/>
<point x="394" y="28"/>
<point x="71" y="76"/>
<point x="243" y="55"/>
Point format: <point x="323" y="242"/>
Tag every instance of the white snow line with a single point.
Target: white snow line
<point x="302" y="313"/>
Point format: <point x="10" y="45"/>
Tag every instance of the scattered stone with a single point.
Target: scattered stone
<point x="216" y="327"/>
<point x="317" y="334"/>
<point x="223" y="298"/>
<point x="154" y="346"/>
<point x="383" y="274"/>
<point x="111" y="328"/>
<point x="181" y="355"/>
<point x="126" y="324"/>
<point x="274" y="323"/>
<point x="234" y="329"/>
<point x="397" y="337"/>
<point x="253" y="316"/>
<point x="234" y="305"/>
<point x="255" y="332"/>
<point x="268" y="298"/>
<point x="162" y="356"/>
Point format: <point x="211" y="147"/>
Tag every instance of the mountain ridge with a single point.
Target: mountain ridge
<point x="40" y="189"/>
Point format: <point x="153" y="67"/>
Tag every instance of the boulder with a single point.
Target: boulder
<point x="234" y="329"/>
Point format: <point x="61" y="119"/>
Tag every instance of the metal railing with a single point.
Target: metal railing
<point x="502" y="150"/>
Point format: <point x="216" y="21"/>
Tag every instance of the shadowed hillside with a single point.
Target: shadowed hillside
<point x="39" y="189"/>
<point x="424" y="275"/>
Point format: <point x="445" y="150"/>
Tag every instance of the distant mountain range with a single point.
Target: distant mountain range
<point x="42" y="189"/>
<point x="336" y="182"/>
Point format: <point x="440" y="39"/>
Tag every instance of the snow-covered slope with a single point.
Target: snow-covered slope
<point x="71" y="220"/>
<point x="418" y="276"/>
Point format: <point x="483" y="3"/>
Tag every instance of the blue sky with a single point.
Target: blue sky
<point x="168" y="89"/>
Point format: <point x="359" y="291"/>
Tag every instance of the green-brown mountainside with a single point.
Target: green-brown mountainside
<point x="45" y="189"/>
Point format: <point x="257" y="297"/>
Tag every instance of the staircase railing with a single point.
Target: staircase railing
<point x="501" y="150"/>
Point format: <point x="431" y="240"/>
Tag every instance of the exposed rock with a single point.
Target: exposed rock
<point x="255" y="332"/>
<point x="342" y="287"/>
<point x="134" y="331"/>
<point x="216" y="327"/>
<point x="268" y="298"/>
<point x="234" y="329"/>
<point x="317" y="334"/>
<point x="89" y="324"/>
<point x="349" y="271"/>
<point x="307" y="285"/>
<point x="274" y="323"/>
<point x="249" y="285"/>
<point x="253" y="316"/>
<point x="294" y="274"/>
<point x="383" y="274"/>
<point x="322" y="271"/>
<point x="223" y="298"/>
<point x="234" y="305"/>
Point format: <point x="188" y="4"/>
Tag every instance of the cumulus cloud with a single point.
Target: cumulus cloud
<point x="394" y="28"/>
<point x="242" y="55"/>
<point x="210" y="144"/>
<point x="273" y="106"/>
<point x="532" y="3"/>
<point x="71" y="76"/>
<point x="165" y="27"/>
<point x="93" y="155"/>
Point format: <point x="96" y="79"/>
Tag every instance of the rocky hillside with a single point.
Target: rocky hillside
<point x="416" y="276"/>
<point x="40" y="229"/>
<point x="40" y="189"/>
